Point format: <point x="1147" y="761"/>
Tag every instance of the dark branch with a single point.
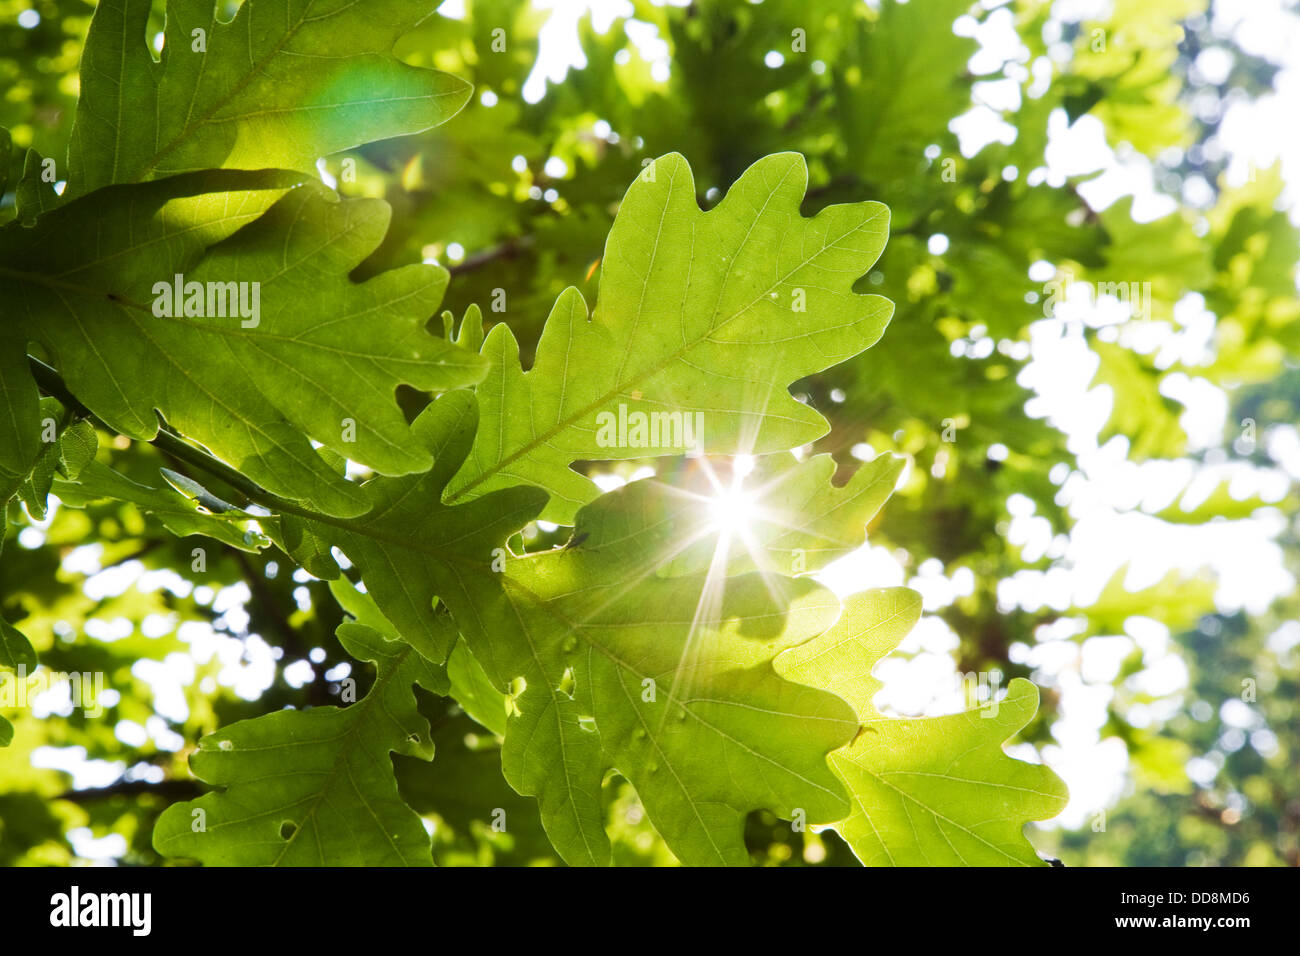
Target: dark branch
<point x="507" y="250"/>
<point x="169" y="442"/>
<point x="168" y="789"/>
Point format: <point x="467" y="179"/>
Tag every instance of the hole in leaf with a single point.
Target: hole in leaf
<point x="287" y="829"/>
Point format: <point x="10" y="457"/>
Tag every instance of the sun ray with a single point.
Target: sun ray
<point x="732" y="513"/>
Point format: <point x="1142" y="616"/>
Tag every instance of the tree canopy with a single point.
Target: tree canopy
<point x="764" y="444"/>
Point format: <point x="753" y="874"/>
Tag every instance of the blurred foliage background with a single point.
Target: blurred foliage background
<point x="1049" y="531"/>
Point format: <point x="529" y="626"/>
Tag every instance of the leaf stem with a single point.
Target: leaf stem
<point x="170" y="442"/>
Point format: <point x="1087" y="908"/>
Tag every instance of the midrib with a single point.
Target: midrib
<point x="349" y="741"/>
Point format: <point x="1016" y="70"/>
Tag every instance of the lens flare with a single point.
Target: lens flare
<point x="732" y="511"/>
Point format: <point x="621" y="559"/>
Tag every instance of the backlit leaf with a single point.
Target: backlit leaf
<point x="701" y="318"/>
<point x="315" y="787"/>
<point x="933" y="791"/>
<point x="280" y="85"/>
<point x="308" y="353"/>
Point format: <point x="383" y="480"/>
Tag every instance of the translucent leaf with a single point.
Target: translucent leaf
<point x="933" y="791"/>
<point x="708" y="317"/>
<point x="607" y="664"/>
<point x="314" y="787"/>
<point x="179" y="515"/>
<point x="308" y="354"/>
<point x="282" y="84"/>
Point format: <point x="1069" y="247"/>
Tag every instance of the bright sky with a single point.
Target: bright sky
<point x="922" y="679"/>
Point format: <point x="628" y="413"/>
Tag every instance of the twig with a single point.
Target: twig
<point x="170" y="789"/>
<point x="171" y="443"/>
<point x="507" y="250"/>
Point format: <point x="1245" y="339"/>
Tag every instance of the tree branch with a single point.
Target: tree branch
<point x="169" y="442"/>
<point x="507" y="250"/>
<point x="169" y="789"/>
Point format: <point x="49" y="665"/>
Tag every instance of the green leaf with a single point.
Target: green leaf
<point x="309" y="549"/>
<point x="1219" y="503"/>
<point x="6" y="149"/>
<point x="475" y="692"/>
<point x="407" y="541"/>
<point x="194" y="491"/>
<point x="27" y="466"/>
<point x="672" y="686"/>
<point x="714" y="314"/>
<point x="794" y="520"/>
<point x="30" y="467"/>
<point x="1178" y="600"/>
<point x="281" y="85"/>
<point x="1166" y="254"/>
<point x="470" y="334"/>
<point x="20" y="421"/>
<point x="319" y="356"/>
<point x="77" y="447"/>
<point x="901" y="80"/>
<point x="574" y="635"/>
<point x="315" y="787"/>
<point x="466" y="791"/>
<point x="34" y="193"/>
<point x="31" y="482"/>
<point x="1147" y="418"/>
<point x="68" y="454"/>
<point x="15" y="650"/>
<point x="179" y="514"/>
<point x="934" y="791"/>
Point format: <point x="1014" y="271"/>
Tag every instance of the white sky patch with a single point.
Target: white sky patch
<point x="109" y="631"/>
<point x="98" y="850"/>
<point x="168" y="679"/>
<point x="978" y="127"/>
<point x="112" y="581"/>
<point x="162" y="735"/>
<point x="866" y="567"/>
<point x="299" y="674"/>
<point x="1260" y="132"/>
<point x="130" y="733"/>
<point x="1206" y="411"/>
<point x="608" y="482"/>
<point x="158" y="625"/>
<point x="558" y="45"/>
<point x="85" y="773"/>
<point x="229" y="605"/>
<point x="326" y="177"/>
<point x="999" y="42"/>
<point x="84" y="559"/>
<point x="246" y="666"/>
